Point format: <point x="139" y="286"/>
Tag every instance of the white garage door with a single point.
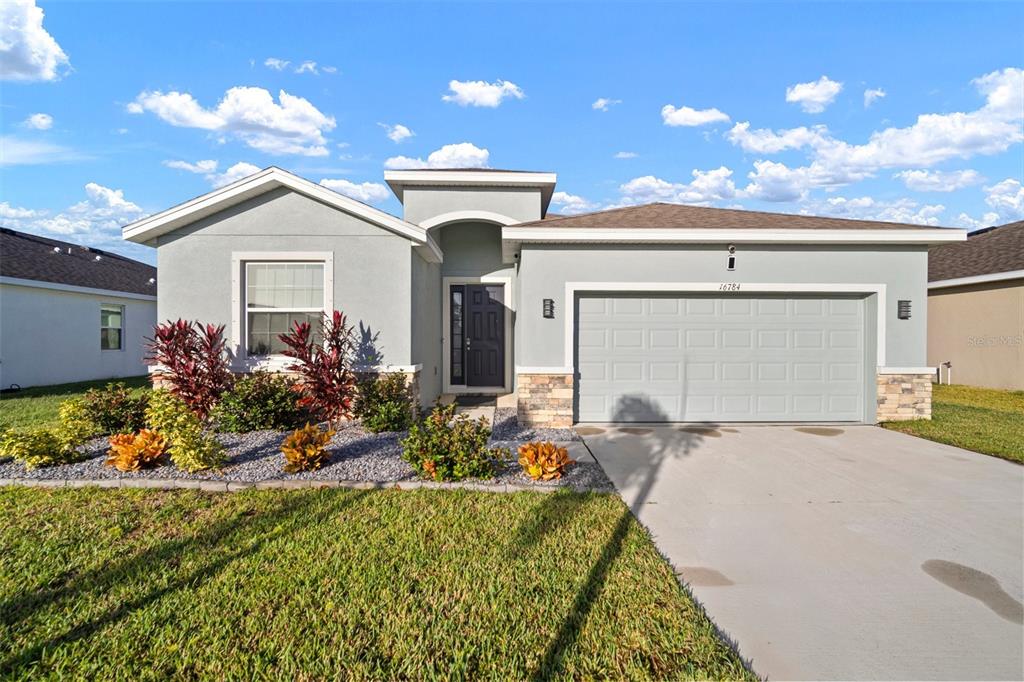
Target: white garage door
<point x="735" y="358"/>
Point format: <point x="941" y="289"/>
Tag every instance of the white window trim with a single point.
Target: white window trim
<point x="238" y="313"/>
<point x="446" y="316"/>
<point x="123" y="312"/>
<point x="574" y="288"/>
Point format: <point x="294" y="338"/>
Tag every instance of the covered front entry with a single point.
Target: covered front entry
<point x="477" y="334"/>
<point x="738" y="358"/>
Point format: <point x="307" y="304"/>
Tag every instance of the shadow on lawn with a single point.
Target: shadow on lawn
<point x="260" y="527"/>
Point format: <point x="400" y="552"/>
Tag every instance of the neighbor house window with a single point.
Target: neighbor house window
<point x="277" y="295"/>
<point x="111" y="327"/>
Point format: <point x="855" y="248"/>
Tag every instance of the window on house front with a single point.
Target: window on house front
<point x="111" y="327"/>
<point x="277" y="295"/>
<point x="458" y="376"/>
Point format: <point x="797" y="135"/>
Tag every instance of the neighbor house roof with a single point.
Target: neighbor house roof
<point x="991" y="254"/>
<point x="680" y="216"/>
<point x="28" y="257"/>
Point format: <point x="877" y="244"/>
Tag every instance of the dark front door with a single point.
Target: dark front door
<point x="484" y="344"/>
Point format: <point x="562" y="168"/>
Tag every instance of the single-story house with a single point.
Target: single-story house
<point x="976" y="308"/>
<point x="646" y="313"/>
<point x="70" y="312"/>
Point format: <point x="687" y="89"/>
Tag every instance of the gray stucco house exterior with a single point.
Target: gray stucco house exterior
<point x="647" y="313"/>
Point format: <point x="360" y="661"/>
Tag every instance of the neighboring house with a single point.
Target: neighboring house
<point x="647" y="313"/>
<point x="976" y="308"/>
<point x="70" y="313"/>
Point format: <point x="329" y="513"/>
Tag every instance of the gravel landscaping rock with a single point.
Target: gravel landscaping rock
<point x="356" y="455"/>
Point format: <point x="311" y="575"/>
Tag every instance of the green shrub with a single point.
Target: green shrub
<point x="191" y="448"/>
<point x="36" y="448"/>
<point x="76" y="424"/>
<point x="449" y="448"/>
<point x="259" y="401"/>
<point x="116" y="409"/>
<point x="384" y="403"/>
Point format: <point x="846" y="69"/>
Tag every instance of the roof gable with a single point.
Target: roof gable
<point x="146" y="230"/>
<point x="26" y="256"/>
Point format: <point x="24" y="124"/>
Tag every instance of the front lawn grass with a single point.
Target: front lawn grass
<point x="36" y="407"/>
<point x="331" y="583"/>
<point x="985" y="420"/>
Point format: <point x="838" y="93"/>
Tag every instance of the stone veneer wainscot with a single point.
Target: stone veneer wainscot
<point x="903" y="397"/>
<point x="545" y="400"/>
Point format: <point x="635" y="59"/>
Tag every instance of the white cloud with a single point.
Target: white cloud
<point x="706" y="187"/>
<point x="15" y="151"/>
<point x="571" y="203"/>
<point x="867" y="208"/>
<point x="764" y="141"/>
<point x="38" y="122"/>
<point x="1006" y="199"/>
<point x="602" y="103"/>
<point x="208" y="169"/>
<point x="626" y="155"/>
<point x="397" y="133"/>
<point x="366" y="192"/>
<point x="27" y="51"/>
<point x="461" y="155"/>
<point x="939" y="181"/>
<point x="686" y="116"/>
<point x="204" y="166"/>
<point x="307" y="67"/>
<point x="276" y="64"/>
<point x="329" y="69"/>
<point x="872" y="94"/>
<point x="481" y="93"/>
<point x="987" y="220"/>
<point x="290" y="126"/>
<point x="932" y="139"/>
<point x="8" y="212"/>
<point x="813" y="97"/>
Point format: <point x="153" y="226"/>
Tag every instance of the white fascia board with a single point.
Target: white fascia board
<point x="696" y="236"/>
<point x="398" y="180"/>
<point x="147" y="229"/>
<point x="977" y="279"/>
<point x="430" y="251"/>
<point x="57" y="286"/>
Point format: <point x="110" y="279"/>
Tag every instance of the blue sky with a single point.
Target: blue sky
<point x="909" y="112"/>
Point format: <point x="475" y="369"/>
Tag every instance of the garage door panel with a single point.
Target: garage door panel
<point x="663" y="358"/>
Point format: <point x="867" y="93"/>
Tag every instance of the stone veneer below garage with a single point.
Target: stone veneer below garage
<point x="903" y="397"/>
<point x="545" y="400"/>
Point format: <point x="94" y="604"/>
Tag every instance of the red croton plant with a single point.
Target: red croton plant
<point x="324" y="361"/>
<point x="193" y="359"/>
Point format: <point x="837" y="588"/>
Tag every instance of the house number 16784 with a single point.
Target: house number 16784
<point x="729" y="286"/>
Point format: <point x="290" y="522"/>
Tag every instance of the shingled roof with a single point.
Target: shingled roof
<point x="986" y="252"/>
<point x="662" y="215"/>
<point x="26" y="256"/>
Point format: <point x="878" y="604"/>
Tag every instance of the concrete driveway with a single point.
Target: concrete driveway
<point x="836" y="552"/>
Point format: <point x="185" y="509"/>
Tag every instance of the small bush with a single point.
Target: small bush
<point x="305" y="449"/>
<point x="324" y="361"/>
<point x="131" y="452"/>
<point x="37" y="448"/>
<point x="448" y="448"/>
<point x="76" y="423"/>
<point x="115" y="409"/>
<point x="193" y="358"/>
<point x="544" y="461"/>
<point x="385" y="403"/>
<point x="191" y="448"/>
<point x="259" y="401"/>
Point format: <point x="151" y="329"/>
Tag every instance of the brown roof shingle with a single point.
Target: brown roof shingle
<point x="27" y="256"/>
<point x="661" y="215"/>
<point x="988" y="251"/>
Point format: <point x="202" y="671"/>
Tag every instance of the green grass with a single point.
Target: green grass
<point x="985" y="420"/>
<point x="37" y="406"/>
<point x="320" y="584"/>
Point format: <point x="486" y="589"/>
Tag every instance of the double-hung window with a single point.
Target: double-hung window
<point x="277" y="295"/>
<point x="111" y="327"/>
